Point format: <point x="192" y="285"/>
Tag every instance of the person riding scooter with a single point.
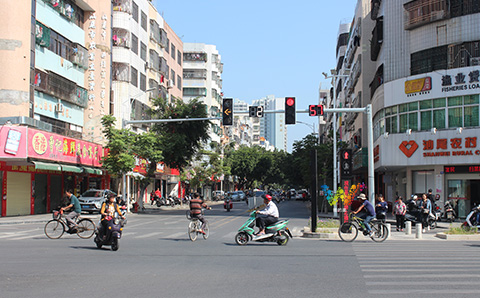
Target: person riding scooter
<point x="268" y="215"/>
<point x="108" y="211"/>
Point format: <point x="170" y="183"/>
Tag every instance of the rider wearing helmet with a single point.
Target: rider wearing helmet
<point x="268" y="215"/>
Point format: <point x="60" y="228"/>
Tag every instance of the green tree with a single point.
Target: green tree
<point x="180" y="140"/>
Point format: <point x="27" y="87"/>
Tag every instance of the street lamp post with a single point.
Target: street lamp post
<point x="334" y="76"/>
<point x="124" y="125"/>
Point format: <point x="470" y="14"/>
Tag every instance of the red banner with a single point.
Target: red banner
<point x="50" y="146"/>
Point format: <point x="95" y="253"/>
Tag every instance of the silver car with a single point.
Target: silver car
<point x="91" y="200"/>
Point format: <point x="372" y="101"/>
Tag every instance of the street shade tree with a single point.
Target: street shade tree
<point x="180" y="140"/>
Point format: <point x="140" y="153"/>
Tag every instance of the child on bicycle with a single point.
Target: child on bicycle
<point x="369" y="213"/>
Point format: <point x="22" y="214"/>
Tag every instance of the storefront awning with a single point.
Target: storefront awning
<point x="135" y="175"/>
<point x="93" y="171"/>
<point x="47" y="166"/>
<point x="73" y="169"/>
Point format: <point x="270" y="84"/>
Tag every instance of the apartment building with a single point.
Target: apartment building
<point x="53" y="91"/>
<point x="424" y="89"/>
<point x="270" y="131"/>
<point x="202" y="78"/>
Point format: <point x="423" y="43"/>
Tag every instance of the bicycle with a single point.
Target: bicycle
<point x="348" y="231"/>
<point x="195" y="226"/>
<point x="55" y="227"/>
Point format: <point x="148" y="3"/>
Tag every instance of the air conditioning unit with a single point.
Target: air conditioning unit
<point x="474" y="61"/>
<point x="59" y="108"/>
<point x="169" y="83"/>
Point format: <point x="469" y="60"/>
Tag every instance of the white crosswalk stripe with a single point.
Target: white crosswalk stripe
<point x="403" y="269"/>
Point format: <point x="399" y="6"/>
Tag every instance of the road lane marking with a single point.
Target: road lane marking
<point x="425" y="291"/>
<point x="429" y="276"/>
<point x="176" y="235"/>
<point x="426" y="269"/>
<point x="148" y="235"/>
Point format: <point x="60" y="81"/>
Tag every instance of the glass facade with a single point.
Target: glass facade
<point x="439" y="113"/>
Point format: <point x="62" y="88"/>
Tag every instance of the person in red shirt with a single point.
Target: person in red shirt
<point x="196" y="205"/>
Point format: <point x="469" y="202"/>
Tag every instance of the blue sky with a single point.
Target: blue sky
<point x="268" y="47"/>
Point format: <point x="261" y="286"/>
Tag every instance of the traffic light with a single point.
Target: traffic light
<point x="315" y="110"/>
<point x="290" y="111"/>
<point x="346" y="162"/>
<point x="255" y="111"/>
<point x="227" y="113"/>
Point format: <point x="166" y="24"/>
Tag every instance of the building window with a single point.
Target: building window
<point x="429" y="60"/>
<point x="179" y="83"/>
<point x="167" y="48"/>
<point x="172" y="77"/>
<point x="143" y="51"/>
<point x="179" y="57"/>
<point x="144" y="21"/>
<point x="134" y="44"/>
<point x="133" y="76"/>
<point x="135" y="11"/>
<point x="455" y="117"/>
<point x="143" y="82"/>
<point x="173" y="51"/>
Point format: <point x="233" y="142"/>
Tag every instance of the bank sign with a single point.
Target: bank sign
<point x="445" y="83"/>
<point x="424" y="148"/>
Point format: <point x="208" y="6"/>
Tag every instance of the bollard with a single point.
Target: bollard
<point x="408" y="228"/>
<point x="418" y="231"/>
<point x="389" y="228"/>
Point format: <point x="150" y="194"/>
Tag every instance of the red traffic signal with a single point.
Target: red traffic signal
<point x="315" y="110"/>
<point x="290" y="112"/>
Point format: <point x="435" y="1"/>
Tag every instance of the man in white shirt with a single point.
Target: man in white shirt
<point x="268" y="215"/>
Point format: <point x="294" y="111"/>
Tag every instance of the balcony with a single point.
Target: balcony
<point x="195" y="74"/>
<point x="80" y="56"/>
<point x="121" y="55"/>
<point x="353" y="44"/>
<point x="120" y="72"/>
<point x="154" y="89"/>
<point x="60" y="87"/>
<point x="163" y="38"/>
<point x="377" y="81"/>
<point x="422" y="12"/>
<point x="195" y="56"/>
<point x="154" y="31"/>
<point x="121" y="38"/>
<point x="377" y="39"/>
<point x="163" y="66"/>
<point x="375" y="9"/>
<point x="124" y="6"/>
<point x="154" y="61"/>
<point x="121" y="20"/>
<point x="354" y="75"/>
<point x="196" y="92"/>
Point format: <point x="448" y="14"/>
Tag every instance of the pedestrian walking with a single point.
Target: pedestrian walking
<point x="399" y="209"/>
<point x="381" y="209"/>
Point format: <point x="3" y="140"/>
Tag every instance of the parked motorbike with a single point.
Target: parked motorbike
<point x="176" y="201"/>
<point x="227" y="204"/>
<point x="449" y="212"/>
<point x="112" y="234"/>
<point x="414" y="214"/>
<point x="277" y="232"/>
<point x="472" y="220"/>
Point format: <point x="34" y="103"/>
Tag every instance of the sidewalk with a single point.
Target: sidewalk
<point x="394" y="235"/>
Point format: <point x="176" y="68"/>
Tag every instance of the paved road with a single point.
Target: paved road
<point x="156" y="259"/>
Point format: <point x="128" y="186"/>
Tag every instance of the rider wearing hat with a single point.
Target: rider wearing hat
<point x="268" y="215"/>
<point x="369" y="212"/>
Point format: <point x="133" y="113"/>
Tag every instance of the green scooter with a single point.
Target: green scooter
<point x="277" y="232"/>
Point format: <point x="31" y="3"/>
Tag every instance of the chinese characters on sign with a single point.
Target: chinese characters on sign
<point x="460" y="81"/>
<point x="457" y="146"/>
<point x="59" y="148"/>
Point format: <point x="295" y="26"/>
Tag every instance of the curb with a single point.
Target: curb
<point x="458" y="237"/>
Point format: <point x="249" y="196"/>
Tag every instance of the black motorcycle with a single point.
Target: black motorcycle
<point x="111" y="235"/>
<point x="414" y="214"/>
<point x="449" y="212"/>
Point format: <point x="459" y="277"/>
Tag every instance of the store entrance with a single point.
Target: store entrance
<point x="475" y="192"/>
<point x="40" y="205"/>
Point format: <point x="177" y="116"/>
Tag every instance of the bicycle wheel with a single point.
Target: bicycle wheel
<point x="85" y="228"/>
<point x="380" y="232"/>
<point x="54" y="229"/>
<point x="206" y="231"/>
<point x="348" y="232"/>
<point x="192" y="230"/>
